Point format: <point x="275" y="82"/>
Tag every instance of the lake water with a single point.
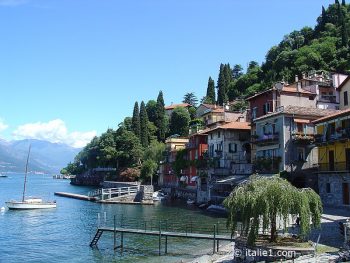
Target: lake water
<point x="63" y="234"/>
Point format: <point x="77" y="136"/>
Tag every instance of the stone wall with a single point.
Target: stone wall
<point x="335" y="195"/>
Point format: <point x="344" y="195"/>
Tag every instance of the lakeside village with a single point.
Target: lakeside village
<point x="299" y="132"/>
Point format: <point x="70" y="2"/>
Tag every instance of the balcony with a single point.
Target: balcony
<point x="334" y="167"/>
<point x="341" y="135"/>
<point x="266" y="139"/>
<point x="303" y="138"/>
<point x="191" y="145"/>
<point x="328" y="98"/>
<point x="267" y="165"/>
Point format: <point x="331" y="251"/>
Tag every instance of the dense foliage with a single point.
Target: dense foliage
<point x="179" y="122"/>
<point x="263" y="201"/>
<point x="326" y="47"/>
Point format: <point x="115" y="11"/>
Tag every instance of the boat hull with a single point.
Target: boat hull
<point x="24" y="205"/>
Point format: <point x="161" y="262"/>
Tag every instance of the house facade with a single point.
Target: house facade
<point x="284" y="141"/>
<point x="229" y="158"/>
<point x="333" y="143"/>
<point x="167" y="177"/>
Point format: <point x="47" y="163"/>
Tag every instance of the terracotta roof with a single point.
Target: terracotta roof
<point x="218" y="110"/>
<point x="173" y="106"/>
<point x="332" y="116"/>
<point x="289" y="89"/>
<point x="202" y="132"/>
<point x="300" y="111"/>
<point x="211" y="106"/>
<point x="234" y="125"/>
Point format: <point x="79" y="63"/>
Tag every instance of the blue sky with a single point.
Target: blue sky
<point x="71" y="69"/>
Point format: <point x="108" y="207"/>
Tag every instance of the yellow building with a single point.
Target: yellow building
<point x="333" y="141"/>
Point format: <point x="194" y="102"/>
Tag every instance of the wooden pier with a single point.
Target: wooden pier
<point x="212" y="233"/>
<point x="76" y="196"/>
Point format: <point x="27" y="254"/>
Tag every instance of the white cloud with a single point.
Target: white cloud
<point x="53" y="131"/>
<point x="13" y="2"/>
<point x="3" y="125"/>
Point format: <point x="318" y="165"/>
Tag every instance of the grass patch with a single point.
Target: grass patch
<point x="324" y="249"/>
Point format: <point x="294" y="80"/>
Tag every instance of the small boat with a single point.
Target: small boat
<point x="217" y="209"/>
<point x="3" y="175"/>
<point x="190" y="202"/>
<point x="30" y="203"/>
<point x="158" y="196"/>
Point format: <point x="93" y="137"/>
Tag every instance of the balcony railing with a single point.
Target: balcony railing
<point x="339" y="135"/>
<point x="303" y="138"/>
<point x="266" y="139"/>
<point x="334" y="167"/>
<point x="328" y="98"/>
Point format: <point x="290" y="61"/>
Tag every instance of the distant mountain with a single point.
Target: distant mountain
<point x="45" y="156"/>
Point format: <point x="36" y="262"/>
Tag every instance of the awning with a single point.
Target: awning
<point x="194" y="178"/>
<point x="301" y="121"/>
<point x="233" y="180"/>
<point x="183" y="178"/>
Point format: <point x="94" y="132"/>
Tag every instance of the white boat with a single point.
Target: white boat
<point x="3" y="175"/>
<point x="190" y="202"/>
<point x="158" y="196"/>
<point x="29" y="203"/>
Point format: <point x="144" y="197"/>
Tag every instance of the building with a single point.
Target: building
<point x="344" y="90"/>
<point x="334" y="158"/>
<point x="229" y="158"/>
<point x="197" y="148"/>
<point x="167" y="177"/>
<point x="213" y="115"/>
<point x="169" y="109"/>
<point x="284" y="141"/>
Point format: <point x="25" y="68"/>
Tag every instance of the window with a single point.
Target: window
<point x="219" y="134"/>
<point x="300" y="127"/>
<point x="211" y="136"/>
<point x="232" y="147"/>
<point x="254" y="113"/>
<point x="266" y="108"/>
<point x="345" y="98"/>
<point x="301" y="154"/>
<point x="328" y="188"/>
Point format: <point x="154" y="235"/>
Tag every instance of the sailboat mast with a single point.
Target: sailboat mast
<point x="25" y="176"/>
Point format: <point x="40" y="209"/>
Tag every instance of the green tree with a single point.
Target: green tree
<point x="210" y="92"/>
<point x="160" y="118"/>
<point x="179" y="122"/>
<point x="144" y="135"/>
<point x="263" y="201"/>
<point x="148" y="171"/>
<point x="190" y="98"/>
<point x="136" y="128"/>
<point x="237" y="71"/>
<point x="180" y="162"/>
<point x="222" y="87"/>
<point x="151" y="108"/>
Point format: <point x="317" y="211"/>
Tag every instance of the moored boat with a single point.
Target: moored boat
<point x="31" y="203"/>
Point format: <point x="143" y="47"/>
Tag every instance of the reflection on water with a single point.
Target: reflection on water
<point x="63" y="234"/>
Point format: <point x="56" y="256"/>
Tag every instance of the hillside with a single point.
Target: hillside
<point x="45" y="156"/>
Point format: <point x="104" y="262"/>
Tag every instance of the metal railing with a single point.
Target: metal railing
<point x="113" y="192"/>
<point x="266" y="139"/>
<point x="336" y="167"/>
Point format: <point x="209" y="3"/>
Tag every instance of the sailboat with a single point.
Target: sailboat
<point x="30" y="203"/>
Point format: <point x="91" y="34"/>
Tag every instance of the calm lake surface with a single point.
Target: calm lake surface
<point x="63" y="234"/>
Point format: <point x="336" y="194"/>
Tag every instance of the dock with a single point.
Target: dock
<point x="164" y="229"/>
<point x="76" y="196"/>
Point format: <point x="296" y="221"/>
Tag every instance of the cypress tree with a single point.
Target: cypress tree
<point x="222" y="92"/>
<point x="135" y="122"/>
<point x="344" y="34"/>
<point x="211" y="91"/>
<point x="337" y="2"/>
<point x="144" y="135"/>
<point x="160" y="117"/>
<point x="343" y="3"/>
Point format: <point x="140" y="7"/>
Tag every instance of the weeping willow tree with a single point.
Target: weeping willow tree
<point x="263" y="201"/>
